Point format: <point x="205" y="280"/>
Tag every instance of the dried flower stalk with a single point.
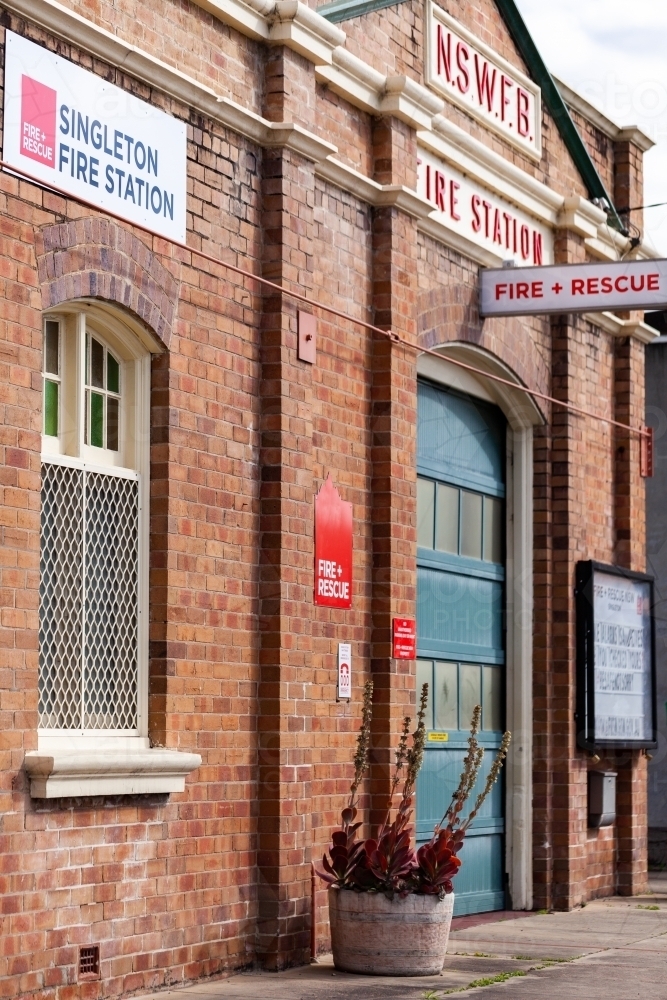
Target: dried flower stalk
<point x="363" y="743"/>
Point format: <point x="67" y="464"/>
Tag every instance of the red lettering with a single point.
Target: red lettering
<point x="514" y="233"/>
<point x="525" y="242"/>
<point x="428" y="181"/>
<point x="453" y="200"/>
<point x="653" y="283"/>
<point x="640" y="279"/>
<point x="522" y="106"/>
<point x="487" y="208"/>
<point x="476" y="217"/>
<point x="444" y="53"/>
<point x="462" y="57"/>
<point x="440" y="190"/>
<point x="486" y="83"/>
<point x="500" y="291"/>
<point x="606" y="285"/>
<point x="592" y="286"/>
<point x="522" y="290"/>
<point x="497" y="232"/>
<point x="537" y="248"/>
<point x="578" y="286"/>
<point x="617" y="284"/>
<point x="505" y="84"/>
<point x="538" y="289"/>
<point x="508" y="219"/>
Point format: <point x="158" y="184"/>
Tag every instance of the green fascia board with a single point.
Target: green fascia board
<point x="343" y="10"/>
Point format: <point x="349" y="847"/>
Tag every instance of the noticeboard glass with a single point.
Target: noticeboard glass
<point x="615" y="658"/>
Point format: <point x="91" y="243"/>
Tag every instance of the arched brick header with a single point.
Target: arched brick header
<point x="97" y="258"/>
<point x="449" y="313"/>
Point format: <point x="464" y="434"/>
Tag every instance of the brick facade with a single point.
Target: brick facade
<point x="243" y="433"/>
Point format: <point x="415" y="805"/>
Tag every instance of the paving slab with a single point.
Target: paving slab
<point x="613" y="947"/>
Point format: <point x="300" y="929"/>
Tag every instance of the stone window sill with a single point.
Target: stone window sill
<point x="57" y="773"/>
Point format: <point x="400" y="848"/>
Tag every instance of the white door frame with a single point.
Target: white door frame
<point x="522" y="415"/>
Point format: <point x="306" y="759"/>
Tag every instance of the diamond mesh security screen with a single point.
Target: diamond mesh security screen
<point x="88" y="600"/>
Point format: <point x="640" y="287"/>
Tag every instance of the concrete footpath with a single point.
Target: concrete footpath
<point x="613" y="948"/>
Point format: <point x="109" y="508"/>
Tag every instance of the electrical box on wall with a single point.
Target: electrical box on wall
<point x="601" y="798"/>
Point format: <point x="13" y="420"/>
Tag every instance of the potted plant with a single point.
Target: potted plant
<point x="390" y="907"/>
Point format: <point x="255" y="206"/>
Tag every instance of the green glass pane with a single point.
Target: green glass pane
<point x="471" y="525"/>
<point x="492" y="714"/>
<point x="51" y="408"/>
<point x="425" y="676"/>
<point x="447" y="520"/>
<point x="493" y="530"/>
<point x="470" y="692"/>
<point x="96" y="364"/>
<point x="113" y="374"/>
<point x="96" y="420"/>
<point x="51" y="347"/>
<point x="446" y="695"/>
<point x="112" y="424"/>
<point x="425" y="512"/>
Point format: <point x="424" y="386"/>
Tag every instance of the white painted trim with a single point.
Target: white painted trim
<point x="434" y="12"/>
<point x="347" y="75"/>
<point x="108" y="771"/>
<point x="519" y="597"/>
<point x="522" y="415"/>
<point x="618" y="327"/>
<point x="628" y="133"/>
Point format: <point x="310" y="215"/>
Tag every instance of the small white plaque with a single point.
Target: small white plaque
<point x="344" y="670"/>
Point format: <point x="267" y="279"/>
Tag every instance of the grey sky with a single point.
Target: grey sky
<point x="614" y="53"/>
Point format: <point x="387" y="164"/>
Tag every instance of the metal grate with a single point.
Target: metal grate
<point x="89" y="962"/>
<point x="88" y="600"/>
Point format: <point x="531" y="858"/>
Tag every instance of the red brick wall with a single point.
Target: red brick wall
<point x="242" y="434"/>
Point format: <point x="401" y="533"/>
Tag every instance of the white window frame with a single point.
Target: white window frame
<point x="71" y="450"/>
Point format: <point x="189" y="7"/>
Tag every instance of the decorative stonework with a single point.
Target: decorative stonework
<point x="97" y="258"/>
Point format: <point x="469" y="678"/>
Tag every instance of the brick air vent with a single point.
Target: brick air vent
<point x="89" y="962"/>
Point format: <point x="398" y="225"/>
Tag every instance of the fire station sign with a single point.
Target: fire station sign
<point x="574" y="288"/>
<point x="333" y="549"/>
<point x="469" y="74"/>
<point x="481" y="216"/>
<point x="615" y="658"/>
<point x="71" y="129"/>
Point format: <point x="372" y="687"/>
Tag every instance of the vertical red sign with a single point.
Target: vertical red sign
<point x="38" y="121"/>
<point x="405" y="639"/>
<point x="333" y="548"/>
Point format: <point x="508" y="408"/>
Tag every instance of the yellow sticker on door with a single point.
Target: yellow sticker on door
<point x="438" y="737"/>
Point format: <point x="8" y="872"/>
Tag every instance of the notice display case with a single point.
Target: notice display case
<point x="616" y="703"/>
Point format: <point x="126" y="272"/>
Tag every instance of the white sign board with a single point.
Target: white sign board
<point x="622" y="659"/>
<point x="344" y="670"/>
<point x="472" y="76"/>
<point x="574" y="288"/>
<point x="71" y="129"/>
<point x="472" y="211"/>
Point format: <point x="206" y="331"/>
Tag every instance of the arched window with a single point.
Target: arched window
<point x="94" y="533"/>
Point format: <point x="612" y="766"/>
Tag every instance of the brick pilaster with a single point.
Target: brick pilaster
<point x="393" y="448"/>
<point x="286" y="548"/>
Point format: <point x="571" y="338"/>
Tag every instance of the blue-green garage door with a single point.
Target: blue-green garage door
<point x="460" y="619"/>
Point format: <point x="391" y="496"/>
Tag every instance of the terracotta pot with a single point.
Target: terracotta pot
<point x="403" y="936"/>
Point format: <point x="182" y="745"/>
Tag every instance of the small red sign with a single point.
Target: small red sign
<point x="38" y="121"/>
<point x="333" y="549"/>
<point x="405" y="639"/>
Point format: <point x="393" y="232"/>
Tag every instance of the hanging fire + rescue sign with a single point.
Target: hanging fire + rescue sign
<point x="333" y="549"/>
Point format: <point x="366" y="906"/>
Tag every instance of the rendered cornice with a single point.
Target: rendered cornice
<point x="348" y="179"/>
<point x="581" y="217"/>
<point x="354" y="80"/>
<point x="249" y="17"/>
<point x="410" y="102"/>
<point x="311" y="35"/>
<point x="617" y="327"/>
<point x="430" y="226"/>
<point x="491" y="170"/>
<point x="630" y="133"/>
